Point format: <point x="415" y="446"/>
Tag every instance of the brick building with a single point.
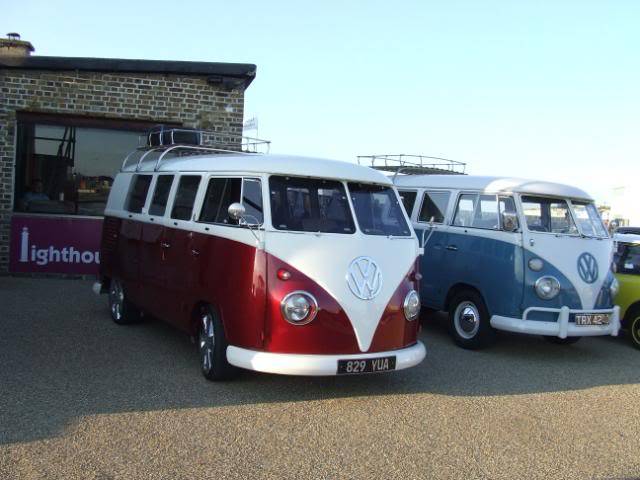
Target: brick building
<point x="66" y="124"/>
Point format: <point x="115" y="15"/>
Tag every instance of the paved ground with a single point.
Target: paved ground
<point x="84" y="398"/>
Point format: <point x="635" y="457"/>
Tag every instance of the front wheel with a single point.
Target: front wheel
<point x="469" y="321"/>
<point x="634" y="328"/>
<point x="212" y="345"/>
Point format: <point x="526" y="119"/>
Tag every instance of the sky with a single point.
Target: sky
<point x="538" y="89"/>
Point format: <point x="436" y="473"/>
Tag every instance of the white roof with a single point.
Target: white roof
<point x="626" y="238"/>
<point x="275" y="164"/>
<point x="491" y="184"/>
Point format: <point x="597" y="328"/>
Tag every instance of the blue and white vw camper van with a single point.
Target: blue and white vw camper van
<point x="511" y="254"/>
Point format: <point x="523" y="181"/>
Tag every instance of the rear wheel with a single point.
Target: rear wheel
<point x="633" y="320"/>
<point x="469" y="320"/>
<point x="212" y="345"/>
<point x="561" y="341"/>
<point x="123" y="312"/>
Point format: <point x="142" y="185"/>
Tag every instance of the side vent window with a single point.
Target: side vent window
<point x="185" y="197"/>
<point x="408" y="200"/>
<point x="161" y="195"/>
<point x="434" y="207"/>
<point x="138" y="193"/>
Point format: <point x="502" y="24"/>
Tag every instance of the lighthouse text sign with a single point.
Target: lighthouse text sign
<point x="55" y="244"/>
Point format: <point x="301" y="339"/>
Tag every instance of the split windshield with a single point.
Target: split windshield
<point x="320" y="205"/>
<point x="553" y="215"/>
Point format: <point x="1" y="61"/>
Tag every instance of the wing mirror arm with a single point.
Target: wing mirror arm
<point x="238" y="212"/>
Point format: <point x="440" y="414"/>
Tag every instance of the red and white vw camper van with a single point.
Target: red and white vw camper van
<point x="277" y="264"/>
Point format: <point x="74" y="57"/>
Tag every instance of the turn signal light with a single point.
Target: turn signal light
<point x="284" y="275"/>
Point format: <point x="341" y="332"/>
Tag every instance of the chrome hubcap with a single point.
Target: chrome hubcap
<point x="467" y="320"/>
<point x="116" y="299"/>
<point x="635" y="330"/>
<point x="207" y="342"/>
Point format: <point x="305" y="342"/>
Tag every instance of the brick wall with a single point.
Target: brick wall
<point x="188" y="100"/>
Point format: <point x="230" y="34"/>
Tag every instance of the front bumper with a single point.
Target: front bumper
<point x="315" y="365"/>
<point x="562" y="327"/>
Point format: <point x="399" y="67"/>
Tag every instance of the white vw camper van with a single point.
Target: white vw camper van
<point x="510" y="254"/>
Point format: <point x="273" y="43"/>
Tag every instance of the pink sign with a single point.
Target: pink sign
<point x="55" y="245"/>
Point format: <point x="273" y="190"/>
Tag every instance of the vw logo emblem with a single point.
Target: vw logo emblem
<point x="364" y="278"/>
<point x="587" y="268"/>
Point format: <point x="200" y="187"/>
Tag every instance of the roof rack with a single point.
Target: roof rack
<point x="413" y="164"/>
<point x="178" y="142"/>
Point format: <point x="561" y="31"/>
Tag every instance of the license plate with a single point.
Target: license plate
<point x="366" y="365"/>
<point x="592" y="319"/>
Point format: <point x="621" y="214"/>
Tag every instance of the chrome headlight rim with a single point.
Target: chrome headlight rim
<point x="313" y="307"/>
<point x="555" y="290"/>
<point x="614" y="287"/>
<point x="408" y="306"/>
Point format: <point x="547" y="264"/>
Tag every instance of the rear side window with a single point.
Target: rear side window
<point x="408" y="200"/>
<point x="222" y="192"/>
<point x="160" y="195"/>
<point x="185" y="196"/>
<point x="138" y="193"/>
<point x="434" y="207"/>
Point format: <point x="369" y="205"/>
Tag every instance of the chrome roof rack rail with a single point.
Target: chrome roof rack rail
<point x="187" y="141"/>
<point x="413" y="164"/>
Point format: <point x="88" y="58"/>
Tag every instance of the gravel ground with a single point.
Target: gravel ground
<point x="81" y="397"/>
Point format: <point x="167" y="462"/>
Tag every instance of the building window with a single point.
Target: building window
<point x="68" y="169"/>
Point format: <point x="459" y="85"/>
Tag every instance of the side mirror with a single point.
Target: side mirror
<point x="236" y="211"/>
<point x="509" y="221"/>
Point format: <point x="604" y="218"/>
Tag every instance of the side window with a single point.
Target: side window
<point x="138" y="193"/>
<point x="507" y="205"/>
<point x="221" y="192"/>
<point x="252" y="199"/>
<point x="434" y="206"/>
<point x="486" y="215"/>
<point x="464" y="210"/>
<point x="185" y="196"/>
<point x="408" y="200"/>
<point x="161" y="195"/>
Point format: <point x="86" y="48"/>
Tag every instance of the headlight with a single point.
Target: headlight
<point x="299" y="308"/>
<point x="614" y="287"/>
<point x="412" y="305"/>
<point x="547" y="287"/>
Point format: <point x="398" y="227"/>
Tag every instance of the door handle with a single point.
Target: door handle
<point x="195" y="252"/>
<point x="165" y="245"/>
<point x="453" y="248"/>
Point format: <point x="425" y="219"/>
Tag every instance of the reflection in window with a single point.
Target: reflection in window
<point x="588" y="219"/>
<point x="160" y="195"/>
<point x="548" y="215"/>
<point x="138" y="193"/>
<point x="67" y="170"/>
<point x="185" y="196"/>
<point x="309" y="205"/>
<point x="408" y="199"/>
<point x="434" y="207"/>
<point x="378" y="210"/>
<point x="465" y="209"/>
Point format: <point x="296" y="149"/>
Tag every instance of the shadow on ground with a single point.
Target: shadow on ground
<point x="62" y="358"/>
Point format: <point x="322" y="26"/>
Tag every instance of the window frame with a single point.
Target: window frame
<point x="550" y="197"/>
<point x="478" y="194"/>
<point x="409" y="190"/>
<point x="174" y="193"/>
<point x="127" y="201"/>
<point x="242" y="178"/>
<point x="445" y="220"/>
